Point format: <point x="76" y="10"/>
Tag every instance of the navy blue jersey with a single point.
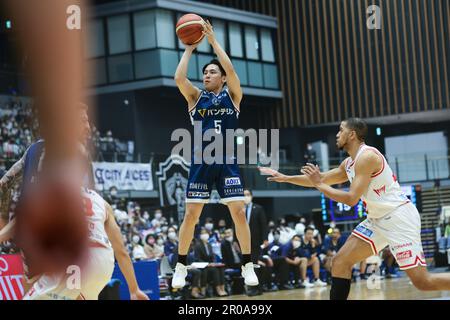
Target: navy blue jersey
<point x="217" y="113"/>
<point x="31" y="165"/>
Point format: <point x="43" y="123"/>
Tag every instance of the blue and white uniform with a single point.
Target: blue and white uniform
<point x="217" y="113"/>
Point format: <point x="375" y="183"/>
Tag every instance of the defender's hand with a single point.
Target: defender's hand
<point x="312" y="172"/>
<point x="274" y="175"/>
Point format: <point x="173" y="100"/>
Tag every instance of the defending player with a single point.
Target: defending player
<point x="391" y="219"/>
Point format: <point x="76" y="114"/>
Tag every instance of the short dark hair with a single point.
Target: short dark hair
<point x="359" y="126"/>
<point x="217" y="63"/>
<point x="309" y="228"/>
<point x="249" y="190"/>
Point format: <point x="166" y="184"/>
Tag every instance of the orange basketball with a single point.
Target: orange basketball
<point x="189" y="28"/>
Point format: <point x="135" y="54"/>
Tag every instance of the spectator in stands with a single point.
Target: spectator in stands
<point x="138" y="252"/>
<point x="171" y="241"/>
<point x="203" y="252"/>
<point x="221" y="225"/>
<point x="194" y="274"/>
<point x="157" y="216"/>
<point x="231" y="252"/>
<point x="300" y="227"/>
<point x="152" y="251"/>
<point x="311" y="250"/>
<point x="297" y="263"/>
<point x="331" y="246"/>
<point x="280" y="266"/>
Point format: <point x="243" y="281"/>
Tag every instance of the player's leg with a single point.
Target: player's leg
<point x="186" y="234"/>
<point x="237" y="210"/>
<point x="353" y="251"/>
<point x="423" y="280"/>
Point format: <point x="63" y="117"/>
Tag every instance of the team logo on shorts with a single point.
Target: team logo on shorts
<point x="404" y="255"/>
<point x="229" y="182"/>
<point x="364" y="231"/>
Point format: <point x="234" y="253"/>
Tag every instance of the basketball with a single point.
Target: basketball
<point x="189" y="28"/>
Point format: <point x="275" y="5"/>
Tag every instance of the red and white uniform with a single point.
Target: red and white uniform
<point x="94" y="274"/>
<point x="391" y="218"/>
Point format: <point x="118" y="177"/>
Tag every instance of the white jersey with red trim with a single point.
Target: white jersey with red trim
<point x="97" y="215"/>
<point x="383" y="194"/>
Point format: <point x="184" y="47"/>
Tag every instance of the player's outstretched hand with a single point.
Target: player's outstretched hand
<point x="312" y="172"/>
<point x="139" y="295"/>
<point x="208" y="31"/>
<point x="275" y="176"/>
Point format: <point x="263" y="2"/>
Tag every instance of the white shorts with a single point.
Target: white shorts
<point x="399" y="229"/>
<point x="93" y="278"/>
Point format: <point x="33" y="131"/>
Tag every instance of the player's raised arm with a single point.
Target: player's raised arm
<point x="233" y="82"/>
<point x="366" y="165"/>
<point x="122" y="256"/>
<point x="187" y="89"/>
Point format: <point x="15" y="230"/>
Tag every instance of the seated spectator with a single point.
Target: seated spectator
<point x="195" y="275"/>
<point x="231" y="252"/>
<point x="152" y="251"/>
<point x="331" y="246"/>
<point x="138" y="252"/>
<point x="279" y="264"/>
<point x="221" y="225"/>
<point x="203" y="253"/>
<point x="310" y="250"/>
<point x="296" y="262"/>
<point x="171" y="243"/>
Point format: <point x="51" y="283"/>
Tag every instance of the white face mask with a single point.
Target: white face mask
<point x="296" y="244"/>
<point x="209" y="226"/>
<point x="136" y="239"/>
<point x="158" y="216"/>
<point x="276" y="237"/>
<point x="172" y="235"/>
<point x="229" y="239"/>
<point x="160" y="242"/>
<point x="146" y="216"/>
<point x="204" y="236"/>
<point x="164" y="228"/>
<point x="247" y="199"/>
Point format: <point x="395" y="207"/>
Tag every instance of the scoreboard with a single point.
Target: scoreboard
<point x="337" y="211"/>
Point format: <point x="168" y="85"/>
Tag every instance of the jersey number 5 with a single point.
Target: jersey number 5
<point x="217" y="125"/>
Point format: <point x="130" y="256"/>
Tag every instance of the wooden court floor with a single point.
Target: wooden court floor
<point x="388" y="289"/>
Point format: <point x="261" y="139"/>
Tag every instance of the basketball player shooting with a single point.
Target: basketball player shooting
<point x="391" y="218"/>
<point x="216" y="107"/>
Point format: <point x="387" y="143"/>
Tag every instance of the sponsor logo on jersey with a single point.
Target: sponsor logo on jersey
<point x="195" y="194"/>
<point x="401" y="256"/>
<point x="364" y="231"/>
<point x="232" y="182"/>
<point x="215" y="112"/>
<point x="404" y="245"/>
<point x="380" y="190"/>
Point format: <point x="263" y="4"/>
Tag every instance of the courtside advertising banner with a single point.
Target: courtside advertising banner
<point x="123" y="176"/>
<point x="11" y="274"/>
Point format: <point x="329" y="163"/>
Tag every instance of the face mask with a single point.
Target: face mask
<point x="164" y="228"/>
<point x="146" y="216"/>
<point x="296" y="244"/>
<point x="158" y="216"/>
<point x="204" y="236"/>
<point x="209" y="226"/>
<point x="229" y="239"/>
<point x="276" y="237"/>
<point x="136" y="239"/>
<point x="247" y="199"/>
<point x="160" y="242"/>
<point x="300" y="229"/>
<point x="172" y="235"/>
